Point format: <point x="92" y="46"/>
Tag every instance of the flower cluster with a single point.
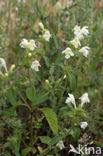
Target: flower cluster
<point x="28" y="44"/>
<point x="31" y="46"/>
<point x="79" y="33"/>
<point x="84" y="99"/>
<point x="46" y="33"/>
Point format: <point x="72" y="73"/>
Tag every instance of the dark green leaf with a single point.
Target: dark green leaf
<point x="60" y="59"/>
<point x="76" y="133"/>
<point x="45" y="139"/>
<point x="46" y="61"/>
<point x="11" y="96"/>
<point x="42" y="97"/>
<point x="26" y="151"/>
<point x="54" y="140"/>
<point x="51" y="118"/>
<point x="30" y="93"/>
<point x="98" y="143"/>
<point x="72" y="80"/>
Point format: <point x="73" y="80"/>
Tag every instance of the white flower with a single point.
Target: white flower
<point x="24" y="43"/>
<point x="35" y="65"/>
<point x="68" y="52"/>
<point x="76" y="29"/>
<point x="71" y="99"/>
<point x="79" y="36"/>
<point x="75" y="43"/>
<point x="60" y="144"/>
<point x="80" y="33"/>
<point x="47" y="35"/>
<point x="83" y="125"/>
<point x="3" y="64"/>
<point x="85" y="31"/>
<point x="31" y="45"/>
<point x="84" y="99"/>
<point x="28" y="44"/>
<point x="85" y="51"/>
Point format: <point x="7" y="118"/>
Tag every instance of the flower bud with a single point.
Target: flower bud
<point x="64" y="77"/>
<point x="12" y="67"/>
<point x="6" y="74"/>
<point x="29" y="54"/>
<point x="41" y="25"/>
<point x="47" y="81"/>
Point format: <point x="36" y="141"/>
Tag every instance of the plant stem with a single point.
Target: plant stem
<point x="31" y="130"/>
<point x="60" y="101"/>
<point x="32" y="117"/>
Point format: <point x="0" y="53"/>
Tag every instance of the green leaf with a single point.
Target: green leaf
<point x="55" y="140"/>
<point x="26" y="151"/>
<point x="72" y="80"/>
<point x="51" y="118"/>
<point x="24" y="62"/>
<point x="96" y="60"/>
<point x="70" y="114"/>
<point x="30" y="93"/>
<point x="11" y="96"/>
<point x="76" y="133"/>
<point x="7" y="153"/>
<point x="40" y="51"/>
<point x="98" y="143"/>
<point x="55" y="40"/>
<point x="60" y="59"/>
<point x="9" y="112"/>
<point x="45" y="139"/>
<point x="46" y="61"/>
<point x="40" y="99"/>
<point x="18" y="103"/>
<point x="37" y="75"/>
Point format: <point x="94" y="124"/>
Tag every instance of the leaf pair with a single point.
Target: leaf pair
<point x="35" y="99"/>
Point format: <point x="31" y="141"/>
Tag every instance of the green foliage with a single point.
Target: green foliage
<point x="42" y="97"/>
<point x="11" y="96"/>
<point x="72" y="80"/>
<point x="30" y="93"/>
<point x="14" y="143"/>
<point x="76" y="133"/>
<point x="45" y="139"/>
<point x="52" y="119"/>
<point x="28" y="96"/>
<point x="26" y="151"/>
